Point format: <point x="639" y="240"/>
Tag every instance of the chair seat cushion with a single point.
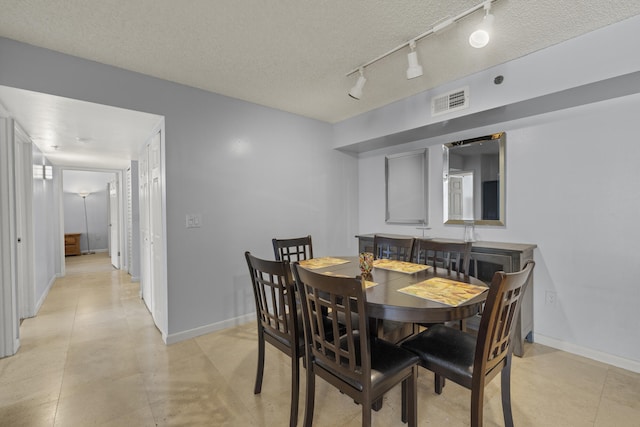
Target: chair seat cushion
<point x="387" y="360"/>
<point x="446" y="351"/>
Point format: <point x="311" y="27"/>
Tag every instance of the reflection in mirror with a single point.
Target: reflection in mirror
<point x="474" y="180"/>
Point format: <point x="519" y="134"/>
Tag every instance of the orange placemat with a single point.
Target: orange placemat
<point x="401" y="266"/>
<point x="323" y="262"/>
<point x="446" y="291"/>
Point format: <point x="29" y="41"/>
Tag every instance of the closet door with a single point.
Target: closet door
<point x="145" y="234"/>
<point x="114" y="224"/>
<point x="157" y="234"/>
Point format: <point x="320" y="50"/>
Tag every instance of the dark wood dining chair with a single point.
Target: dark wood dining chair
<point x="291" y="250"/>
<point x="396" y="248"/>
<point x="473" y="362"/>
<point x="279" y="320"/>
<point x="452" y="256"/>
<point x="400" y="249"/>
<point x="348" y="357"/>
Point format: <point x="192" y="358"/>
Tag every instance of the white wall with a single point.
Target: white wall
<point x="572" y="189"/>
<point x="45" y="222"/>
<point x="254" y="173"/>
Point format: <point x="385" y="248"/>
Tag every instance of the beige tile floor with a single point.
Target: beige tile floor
<point x="92" y="356"/>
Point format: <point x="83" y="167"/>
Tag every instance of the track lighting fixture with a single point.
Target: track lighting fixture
<point x="415" y="69"/>
<point x="356" y="90"/>
<point x="480" y="37"/>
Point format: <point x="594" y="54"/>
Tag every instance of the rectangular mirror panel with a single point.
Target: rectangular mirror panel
<point x="406" y="188"/>
<point x="474" y="180"/>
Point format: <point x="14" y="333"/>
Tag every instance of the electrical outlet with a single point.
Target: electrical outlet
<point x="550" y="298"/>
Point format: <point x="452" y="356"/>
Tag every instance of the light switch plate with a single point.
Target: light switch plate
<point x="194" y="221"/>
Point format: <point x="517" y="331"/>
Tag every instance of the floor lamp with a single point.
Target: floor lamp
<point x="86" y="223"/>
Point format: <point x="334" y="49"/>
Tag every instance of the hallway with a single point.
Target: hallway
<point x="93" y="356"/>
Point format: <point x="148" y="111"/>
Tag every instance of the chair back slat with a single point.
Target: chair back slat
<point x="453" y="256"/>
<point x="498" y="321"/>
<point x="296" y="249"/>
<point x="336" y="305"/>
<point x="395" y="248"/>
<point x="274" y="294"/>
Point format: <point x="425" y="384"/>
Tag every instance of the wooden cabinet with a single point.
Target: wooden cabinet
<point x="72" y="244"/>
<point x="486" y="259"/>
<point x="489" y="257"/>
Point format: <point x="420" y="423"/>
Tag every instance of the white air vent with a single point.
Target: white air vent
<point x="452" y="101"/>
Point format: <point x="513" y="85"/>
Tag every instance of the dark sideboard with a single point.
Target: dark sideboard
<point x="486" y="259"/>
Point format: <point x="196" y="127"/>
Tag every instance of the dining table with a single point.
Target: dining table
<point x="389" y="298"/>
<point x="442" y="295"/>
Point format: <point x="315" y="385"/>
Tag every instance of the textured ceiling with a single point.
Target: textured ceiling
<point x="79" y="134"/>
<point x="293" y="54"/>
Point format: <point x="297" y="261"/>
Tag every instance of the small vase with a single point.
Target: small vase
<point x="366" y="263"/>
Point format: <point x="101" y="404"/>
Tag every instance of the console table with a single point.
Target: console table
<point x="72" y="244"/>
<point x="486" y="259"/>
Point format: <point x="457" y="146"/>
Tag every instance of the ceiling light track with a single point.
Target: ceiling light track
<point x="414" y="69"/>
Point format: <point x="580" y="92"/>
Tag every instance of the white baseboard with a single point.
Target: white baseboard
<point x="620" y="362"/>
<point x="135" y="278"/>
<point x="213" y="327"/>
<point x="45" y="293"/>
<point x="85" y="252"/>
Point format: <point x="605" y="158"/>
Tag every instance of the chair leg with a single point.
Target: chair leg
<point x="366" y="413"/>
<point x="438" y="383"/>
<point x="377" y="404"/>
<point x="405" y="404"/>
<point x="258" y="386"/>
<point x="295" y="389"/>
<point x="410" y="399"/>
<point x="309" y="400"/>
<point x="477" y="400"/>
<point x="505" y="386"/>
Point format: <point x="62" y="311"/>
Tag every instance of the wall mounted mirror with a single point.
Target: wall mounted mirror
<point x="474" y="180"/>
<point x="406" y="188"/>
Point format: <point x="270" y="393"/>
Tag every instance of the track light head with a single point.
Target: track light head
<point x="415" y="69"/>
<point x="356" y="90"/>
<point x="480" y="37"/>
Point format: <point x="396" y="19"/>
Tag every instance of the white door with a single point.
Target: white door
<point x="455" y="197"/>
<point x="24" y="171"/>
<point x="157" y="235"/>
<point x="461" y="195"/>
<point x="129" y="223"/>
<point x="145" y="234"/>
<point x="9" y="322"/>
<point x="114" y="225"/>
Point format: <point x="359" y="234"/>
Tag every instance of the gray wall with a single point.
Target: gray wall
<point x="254" y="173"/>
